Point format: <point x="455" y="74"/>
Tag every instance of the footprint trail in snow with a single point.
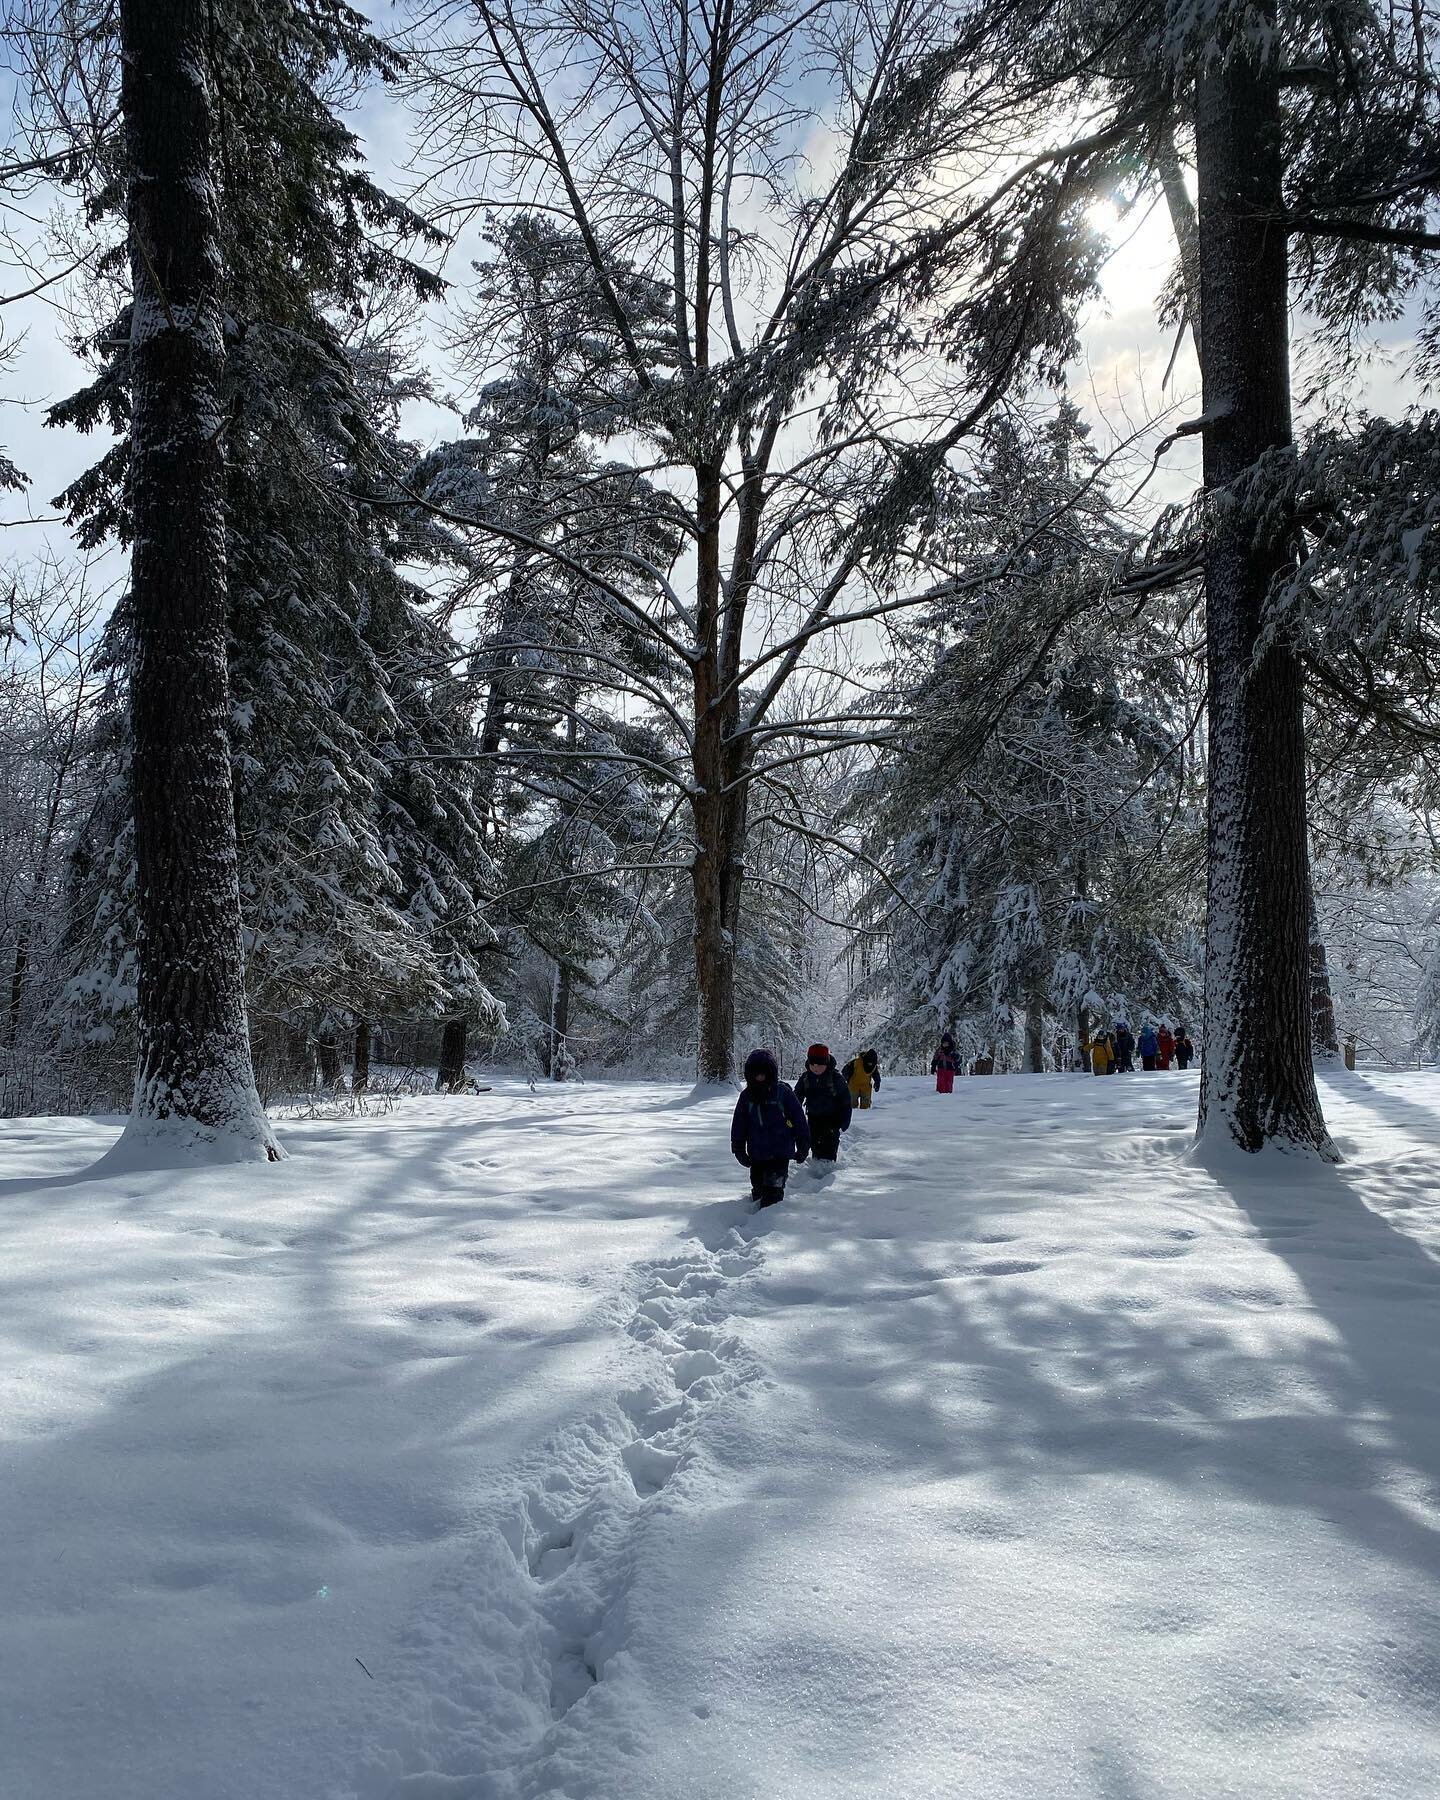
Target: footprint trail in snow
<point x="533" y="1627"/>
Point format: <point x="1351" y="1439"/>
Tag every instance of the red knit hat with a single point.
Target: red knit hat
<point x="818" y="1053"/>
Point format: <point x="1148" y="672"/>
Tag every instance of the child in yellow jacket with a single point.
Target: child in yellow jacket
<point x="863" y="1074"/>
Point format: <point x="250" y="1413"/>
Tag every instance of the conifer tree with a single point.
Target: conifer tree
<point x="1314" y="135"/>
<point x="1041" y="807"/>
<point x="194" y="1088"/>
<point x="361" y="855"/>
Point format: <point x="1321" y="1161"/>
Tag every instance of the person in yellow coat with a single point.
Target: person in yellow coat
<point x="1102" y="1054"/>
<point x="863" y="1074"/>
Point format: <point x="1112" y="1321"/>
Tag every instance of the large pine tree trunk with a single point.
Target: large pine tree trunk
<point x="715" y="878"/>
<point x="1257" y="1083"/>
<point x="561" y="995"/>
<point x="450" y="1077"/>
<point x="195" y="1085"/>
<point x="1035" y="1033"/>
<point x="719" y="815"/>
<point x="360" y="1072"/>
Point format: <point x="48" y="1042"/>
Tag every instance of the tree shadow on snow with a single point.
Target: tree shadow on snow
<point x="1028" y="1391"/>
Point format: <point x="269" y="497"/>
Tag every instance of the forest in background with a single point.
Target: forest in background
<point x="770" y="648"/>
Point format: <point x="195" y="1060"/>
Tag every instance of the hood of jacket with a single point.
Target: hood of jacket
<point x="761" y="1067"/>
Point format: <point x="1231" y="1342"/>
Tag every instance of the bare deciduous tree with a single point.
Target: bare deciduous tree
<point x="823" y="260"/>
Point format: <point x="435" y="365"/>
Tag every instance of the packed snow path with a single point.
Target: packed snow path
<point x="493" y="1450"/>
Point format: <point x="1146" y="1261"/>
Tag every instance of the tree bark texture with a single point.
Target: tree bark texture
<point x="451" y="1075"/>
<point x="1187" y="236"/>
<point x="719" y="806"/>
<point x="195" y="1084"/>
<point x="1035" y="1032"/>
<point x="360" y="1070"/>
<point x="561" y="995"/>
<point x="1257" y="1084"/>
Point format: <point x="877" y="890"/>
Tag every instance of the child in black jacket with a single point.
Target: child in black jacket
<point x="768" y="1130"/>
<point x="825" y="1095"/>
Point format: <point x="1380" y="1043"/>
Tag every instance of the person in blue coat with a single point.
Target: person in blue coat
<point x="768" y="1131"/>
<point x="1148" y="1045"/>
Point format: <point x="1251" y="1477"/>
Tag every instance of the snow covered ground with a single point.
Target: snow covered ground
<point x="491" y="1449"/>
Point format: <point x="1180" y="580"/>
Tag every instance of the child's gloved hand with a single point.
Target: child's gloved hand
<point x="742" y="1159"/>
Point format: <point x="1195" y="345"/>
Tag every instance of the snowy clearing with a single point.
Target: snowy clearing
<point x="493" y="1449"/>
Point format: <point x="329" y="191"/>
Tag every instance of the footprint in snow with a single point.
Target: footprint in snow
<point x="648" y="1466"/>
<point x="572" y="1675"/>
<point x="552" y="1551"/>
<point x="695" y="1365"/>
<point x="650" y="1412"/>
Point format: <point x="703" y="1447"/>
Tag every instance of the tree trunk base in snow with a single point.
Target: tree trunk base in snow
<point x="450" y="1077"/>
<point x="224" y="1125"/>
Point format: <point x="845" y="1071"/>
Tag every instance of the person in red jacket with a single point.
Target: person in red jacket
<point x="1166" y="1042"/>
<point x="943" y="1065"/>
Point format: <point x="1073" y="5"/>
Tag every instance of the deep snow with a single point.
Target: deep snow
<point x="493" y="1449"/>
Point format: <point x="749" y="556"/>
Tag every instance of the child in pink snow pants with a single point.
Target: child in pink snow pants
<point x="943" y="1065"/>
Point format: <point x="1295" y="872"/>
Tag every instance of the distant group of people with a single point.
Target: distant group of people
<point x="1114" y="1052"/>
<point x="774" y="1124"/>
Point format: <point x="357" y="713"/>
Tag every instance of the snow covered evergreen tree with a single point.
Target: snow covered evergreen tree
<point x="1317" y="127"/>
<point x="361" y="854"/>
<point x="1043" y="806"/>
<point x="558" y="576"/>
